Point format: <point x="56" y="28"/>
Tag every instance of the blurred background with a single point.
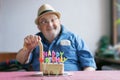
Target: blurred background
<point x="96" y="21"/>
<point x="90" y="19"/>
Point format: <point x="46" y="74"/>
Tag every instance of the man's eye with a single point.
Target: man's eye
<point x="52" y="20"/>
<point x="43" y="22"/>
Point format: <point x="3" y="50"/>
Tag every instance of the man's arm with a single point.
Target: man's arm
<point x="30" y="42"/>
<point x="22" y="55"/>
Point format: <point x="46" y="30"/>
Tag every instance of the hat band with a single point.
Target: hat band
<point x="45" y="12"/>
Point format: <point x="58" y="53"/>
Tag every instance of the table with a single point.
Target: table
<point x="75" y="75"/>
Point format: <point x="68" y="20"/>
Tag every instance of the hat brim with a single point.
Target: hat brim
<point x="37" y="19"/>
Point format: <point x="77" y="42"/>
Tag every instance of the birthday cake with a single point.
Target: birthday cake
<point x="51" y="63"/>
<point x="53" y="69"/>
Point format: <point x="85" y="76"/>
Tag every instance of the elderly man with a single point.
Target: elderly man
<point x="55" y="37"/>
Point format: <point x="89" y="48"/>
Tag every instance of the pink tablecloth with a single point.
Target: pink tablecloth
<point x="77" y="75"/>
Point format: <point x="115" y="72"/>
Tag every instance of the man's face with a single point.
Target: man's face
<point x="49" y="25"/>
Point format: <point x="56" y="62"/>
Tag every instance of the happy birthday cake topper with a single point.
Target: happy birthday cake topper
<point x="52" y="57"/>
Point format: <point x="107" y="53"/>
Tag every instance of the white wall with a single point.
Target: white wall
<point x="88" y="18"/>
<point x="0" y="26"/>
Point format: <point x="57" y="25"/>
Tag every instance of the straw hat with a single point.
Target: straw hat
<point x="45" y="9"/>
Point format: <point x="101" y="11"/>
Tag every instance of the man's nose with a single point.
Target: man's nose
<point x="50" y="23"/>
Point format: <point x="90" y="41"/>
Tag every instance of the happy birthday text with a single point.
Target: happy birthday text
<point x="53" y="57"/>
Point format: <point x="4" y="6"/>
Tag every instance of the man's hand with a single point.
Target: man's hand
<point x="30" y="42"/>
<point x="89" y="69"/>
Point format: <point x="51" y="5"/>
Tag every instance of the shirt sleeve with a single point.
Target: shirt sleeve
<point x="85" y="57"/>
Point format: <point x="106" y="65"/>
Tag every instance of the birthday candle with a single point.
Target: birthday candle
<point x="53" y="53"/>
<point x="64" y="59"/>
<point x="49" y="53"/>
<point x="61" y="58"/>
<point x="41" y="54"/>
<point x="57" y="59"/>
<point x="45" y="54"/>
<point x="41" y="49"/>
<point x="53" y="57"/>
<point x="57" y="54"/>
<point x="46" y="60"/>
<point x="41" y="59"/>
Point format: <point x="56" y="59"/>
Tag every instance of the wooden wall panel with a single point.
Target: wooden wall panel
<point x="4" y="56"/>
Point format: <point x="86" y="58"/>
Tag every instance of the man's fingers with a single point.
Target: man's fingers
<point x="26" y="41"/>
<point x="39" y="38"/>
<point x="31" y="41"/>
